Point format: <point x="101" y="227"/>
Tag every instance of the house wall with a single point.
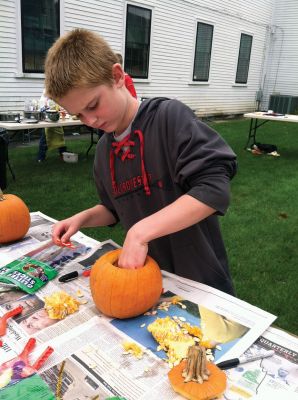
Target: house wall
<point x="172" y="49"/>
<point x="282" y="70"/>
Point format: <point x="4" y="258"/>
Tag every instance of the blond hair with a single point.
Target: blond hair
<point x="80" y="58"/>
<point x="120" y="58"/>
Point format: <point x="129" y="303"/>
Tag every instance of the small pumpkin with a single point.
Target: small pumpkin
<point x="124" y="293"/>
<point x="14" y="218"/>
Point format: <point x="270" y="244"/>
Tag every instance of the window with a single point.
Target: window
<point x="40" y="28"/>
<point x="243" y="58"/>
<point x="137" y="41"/>
<point x="203" y="52"/>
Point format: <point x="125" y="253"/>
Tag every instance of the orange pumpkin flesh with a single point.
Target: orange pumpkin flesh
<point x="210" y="389"/>
<point x="14" y="218"/>
<point x="124" y="293"/>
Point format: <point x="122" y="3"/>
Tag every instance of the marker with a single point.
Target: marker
<point x="244" y="359"/>
<point x="74" y="275"/>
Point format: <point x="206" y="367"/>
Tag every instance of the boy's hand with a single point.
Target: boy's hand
<point x="133" y="254"/>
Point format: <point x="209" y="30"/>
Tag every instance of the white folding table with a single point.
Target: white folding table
<point x="10" y="127"/>
<point x="258" y="119"/>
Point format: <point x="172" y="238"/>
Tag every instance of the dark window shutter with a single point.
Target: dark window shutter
<point x="40" y="22"/>
<point x="243" y="58"/>
<point x="203" y="52"/>
<point x="137" y="41"/>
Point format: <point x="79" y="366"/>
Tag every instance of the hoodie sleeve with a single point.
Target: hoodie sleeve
<point x="104" y="197"/>
<point x="202" y="161"/>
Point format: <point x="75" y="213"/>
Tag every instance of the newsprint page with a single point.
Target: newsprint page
<point x="91" y="345"/>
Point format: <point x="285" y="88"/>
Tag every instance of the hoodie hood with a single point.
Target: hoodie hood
<point x="148" y="107"/>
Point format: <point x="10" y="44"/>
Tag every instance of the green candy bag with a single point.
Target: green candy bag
<point x="27" y="274"/>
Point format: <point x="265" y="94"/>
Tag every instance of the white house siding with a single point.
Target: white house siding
<point x="102" y="16"/>
<point x="7" y="55"/>
<point x="172" y="49"/>
<point x="282" y="70"/>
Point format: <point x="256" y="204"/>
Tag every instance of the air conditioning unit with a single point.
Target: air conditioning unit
<point x="283" y="104"/>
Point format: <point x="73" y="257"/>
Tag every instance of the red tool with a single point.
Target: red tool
<point x="66" y="244"/>
<point x="19" y="367"/>
<point x="4" y="318"/>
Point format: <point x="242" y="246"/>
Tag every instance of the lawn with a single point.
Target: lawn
<point x="260" y="228"/>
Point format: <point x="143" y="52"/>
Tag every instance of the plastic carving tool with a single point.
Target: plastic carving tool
<point x="66" y="244"/>
<point x="4" y="318"/>
<point x="19" y="367"/>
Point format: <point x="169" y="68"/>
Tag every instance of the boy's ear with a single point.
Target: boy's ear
<point x="118" y="75"/>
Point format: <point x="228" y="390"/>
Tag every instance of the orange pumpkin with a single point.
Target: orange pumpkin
<point x="124" y="293"/>
<point x="210" y="389"/>
<point x="14" y="218"/>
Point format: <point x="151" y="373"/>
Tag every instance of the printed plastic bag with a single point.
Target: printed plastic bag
<point x="27" y="274"/>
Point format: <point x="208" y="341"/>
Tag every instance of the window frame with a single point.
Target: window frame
<point x="20" y="73"/>
<point x="238" y="58"/>
<point x="199" y="81"/>
<point x="151" y="9"/>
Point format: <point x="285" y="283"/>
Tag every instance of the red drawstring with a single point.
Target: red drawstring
<point x="126" y="142"/>
<point x="116" y="149"/>
<point x="144" y="173"/>
<point x="112" y="169"/>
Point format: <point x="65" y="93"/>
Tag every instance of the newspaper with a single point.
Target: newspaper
<point x="269" y="378"/>
<point x="92" y="344"/>
<point x="101" y="368"/>
<point x="40" y="232"/>
<point x="34" y="320"/>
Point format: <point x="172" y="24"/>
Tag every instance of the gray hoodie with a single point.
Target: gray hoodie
<point x="168" y="153"/>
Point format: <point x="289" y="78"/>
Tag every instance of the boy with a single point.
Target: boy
<point x="158" y="170"/>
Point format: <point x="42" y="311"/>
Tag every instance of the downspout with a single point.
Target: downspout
<point x="279" y="56"/>
<point x="269" y="51"/>
<point x="264" y="67"/>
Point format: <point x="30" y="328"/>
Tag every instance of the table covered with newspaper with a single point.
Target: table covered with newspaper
<point x="90" y="358"/>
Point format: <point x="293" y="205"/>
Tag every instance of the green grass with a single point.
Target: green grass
<point x="260" y="228"/>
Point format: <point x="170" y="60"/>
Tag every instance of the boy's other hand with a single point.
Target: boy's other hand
<point x="63" y="230"/>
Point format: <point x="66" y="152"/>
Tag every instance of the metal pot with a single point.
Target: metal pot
<point x="37" y="115"/>
<point x="53" y="115"/>
<point x="9" y="117"/>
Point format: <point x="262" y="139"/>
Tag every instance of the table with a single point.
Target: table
<point x="91" y="344"/>
<point x="17" y="126"/>
<point x="265" y="117"/>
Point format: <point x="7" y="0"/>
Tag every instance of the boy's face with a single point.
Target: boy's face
<point x="109" y="108"/>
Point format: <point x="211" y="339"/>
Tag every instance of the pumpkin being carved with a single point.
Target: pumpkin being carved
<point x="14" y="218"/>
<point x="124" y="293"/>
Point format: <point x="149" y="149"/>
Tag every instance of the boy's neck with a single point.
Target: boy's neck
<point x="132" y="110"/>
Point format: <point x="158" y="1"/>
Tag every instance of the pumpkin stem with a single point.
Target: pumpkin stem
<point x="1" y="195"/>
<point x="196" y="369"/>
